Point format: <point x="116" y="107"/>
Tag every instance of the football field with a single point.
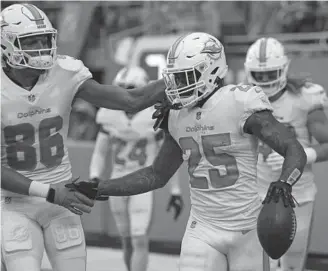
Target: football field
<point x="108" y="259"/>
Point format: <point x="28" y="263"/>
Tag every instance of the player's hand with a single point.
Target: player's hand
<point x="175" y="202"/>
<point x="161" y="110"/>
<point x="280" y="189"/>
<point x="69" y="198"/>
<point x="87" y="188"/>
<point x="275" y="161"/>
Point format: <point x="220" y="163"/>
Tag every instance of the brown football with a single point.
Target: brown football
<point x="276" y="228"/>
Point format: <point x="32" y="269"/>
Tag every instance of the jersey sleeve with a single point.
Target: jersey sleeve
<point x="104" y="119"/>
<point x="253" y="99"/>
<point x="75" y="70"/>
<point x="314" y="96"/>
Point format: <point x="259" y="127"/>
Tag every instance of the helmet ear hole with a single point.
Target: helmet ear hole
<point x="214" y="71"/>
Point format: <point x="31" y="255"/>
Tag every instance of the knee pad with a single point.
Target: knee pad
<point x="66" y="232"/>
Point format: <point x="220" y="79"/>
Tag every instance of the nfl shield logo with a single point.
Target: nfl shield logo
<point x="31" y="98"/>
<point x="198" y="115"/>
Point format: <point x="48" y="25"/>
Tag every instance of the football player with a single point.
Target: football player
<point x="125" y="144"/>
<point x="37" y="91"/>
<point x="298" y="104"/>
<point x="216" y="131"/>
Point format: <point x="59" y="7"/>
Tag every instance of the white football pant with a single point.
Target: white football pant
<point x="30" y="225"/>
<point x="132" y="214"/>
<point x="205" y="248"/>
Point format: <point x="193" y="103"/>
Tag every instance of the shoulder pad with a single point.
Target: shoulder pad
<point x="314" y="96"/>
<point x="242" y="92"/>
<point x="69" y="63"/>
<point x="311" y="88"/>
<point x="295" y="85"/>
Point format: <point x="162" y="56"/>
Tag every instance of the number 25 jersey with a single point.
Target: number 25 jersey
<point x="134" y="142"/>
<point x="221" y="157"/>
<point x="34" y="123"/>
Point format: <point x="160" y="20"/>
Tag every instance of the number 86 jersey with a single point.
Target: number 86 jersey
<point x="221" y="157"/>
<point x="34" y="123"/>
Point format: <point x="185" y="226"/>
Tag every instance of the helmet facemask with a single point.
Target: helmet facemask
<point x="185" y="87"/>
<point x="270" y="80"/>
<point x="19" y="55"/>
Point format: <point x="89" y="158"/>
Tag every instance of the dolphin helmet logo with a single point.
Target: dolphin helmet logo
<point x="213" y="49"/>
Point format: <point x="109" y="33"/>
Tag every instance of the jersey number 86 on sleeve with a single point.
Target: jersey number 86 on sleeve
<point x="222" y="160"/>
<point x="20" y="140"/>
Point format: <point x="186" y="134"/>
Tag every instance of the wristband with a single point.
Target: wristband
<point x="38" y="189"/>
<point x="293" y="177"/>
<point x="311" y="155"/>
<point x="51" y="195"/>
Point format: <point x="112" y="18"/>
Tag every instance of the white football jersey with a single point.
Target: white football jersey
<point x="135" y="143"/>
<point x="292" y="110"/>
<point x="34" y="123"/>
<point x="221" y="157"/>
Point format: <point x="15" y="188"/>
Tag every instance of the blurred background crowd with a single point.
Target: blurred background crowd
<point x="102" y="34"/>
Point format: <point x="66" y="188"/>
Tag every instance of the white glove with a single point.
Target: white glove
<point x="275" y="161"/>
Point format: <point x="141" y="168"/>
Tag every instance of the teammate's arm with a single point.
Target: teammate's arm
<point x="263" y="125"/>
<point x="317" y="124"/>
<point x="76" y="202"/>
<point x="101" y="160"/>
<point x="117" y="98"/>
<point x="149" y="178"/>
<point x="15" y="182"/>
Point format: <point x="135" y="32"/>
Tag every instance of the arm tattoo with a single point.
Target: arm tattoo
<point x="263" y="125"/>
<point x="138" y="182"/>
<point x="150" y="178"/>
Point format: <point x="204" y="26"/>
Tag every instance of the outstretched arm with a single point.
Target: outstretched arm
<point x="263" y="125"/>
<point x="13" y="181"/>
<point x="150" y="178"/>
<point x="117" y="98"/>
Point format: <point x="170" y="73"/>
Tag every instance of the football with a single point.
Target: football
<point x="276" y="228"/>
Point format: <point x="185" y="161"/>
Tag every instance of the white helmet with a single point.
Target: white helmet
<point x="131" y="77"/>
<point x="267" y="65"/>
<point x="195" y="64"/>
<point x="18" y="22"/>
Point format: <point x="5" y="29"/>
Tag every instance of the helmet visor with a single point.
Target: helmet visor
<point x="266" y="77"/>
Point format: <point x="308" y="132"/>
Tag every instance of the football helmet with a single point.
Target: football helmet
<point x="131" y="77"/>
<point x="195" y="63"/>
<point x="266" y="65"/>
<point x="20" y="22"/>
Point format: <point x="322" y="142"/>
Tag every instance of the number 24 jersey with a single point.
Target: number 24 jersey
<point x="221" y="157"/>
<point x="134" y="141"/>
<point x="34" y="123"/>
